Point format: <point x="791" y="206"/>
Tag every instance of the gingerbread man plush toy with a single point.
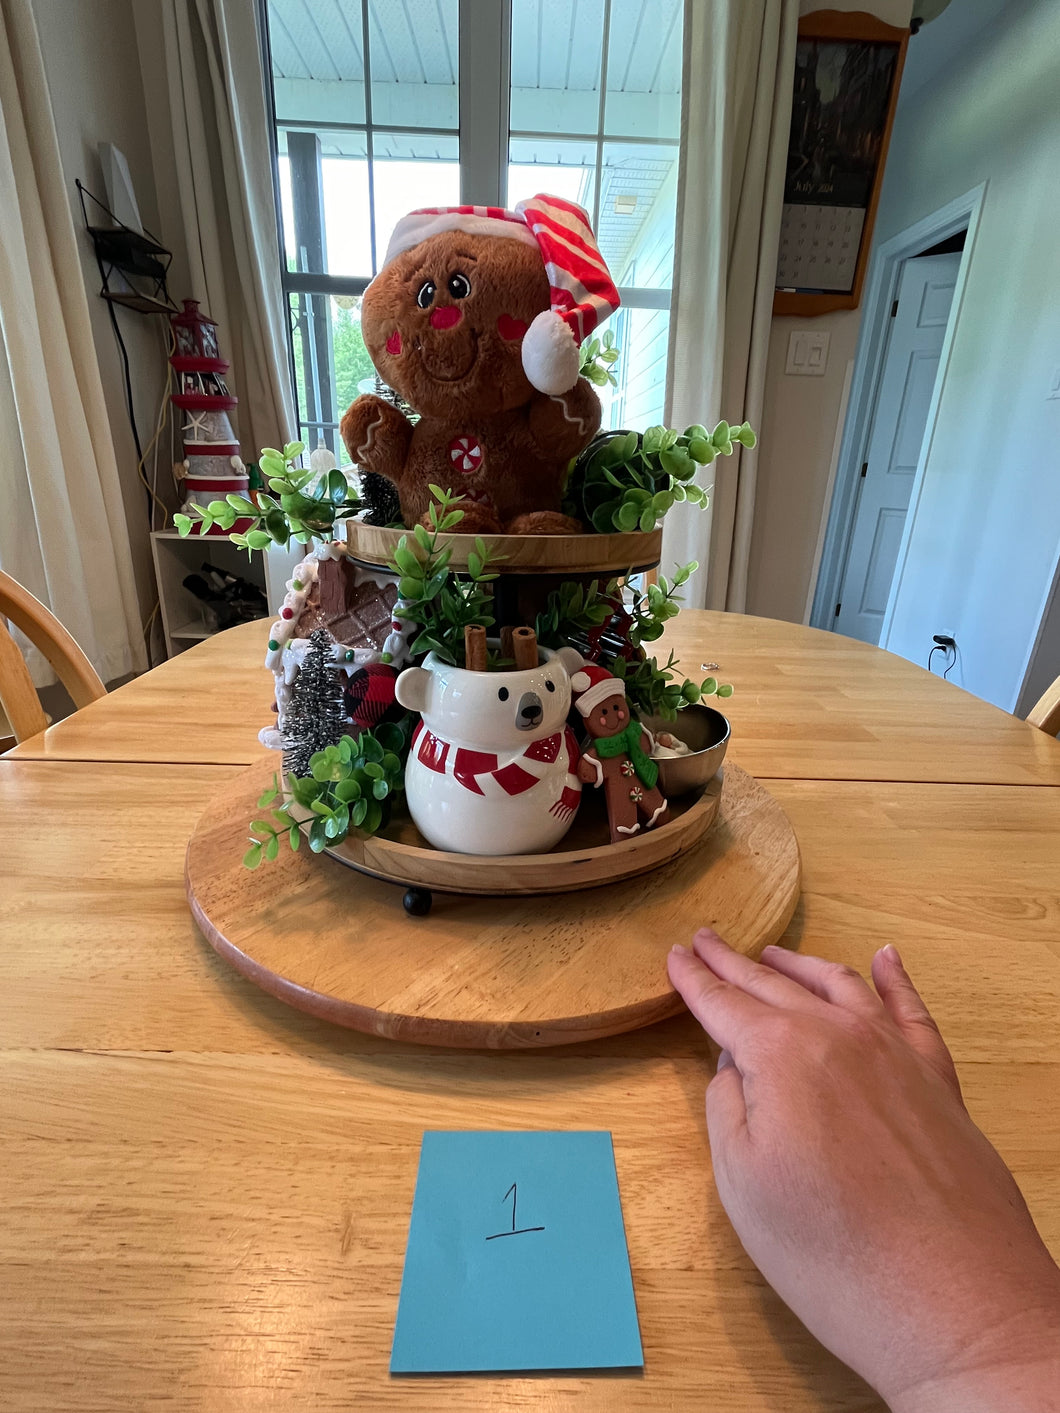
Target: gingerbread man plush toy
<point x="476" y="319"/>
<point x="619" y="755"/>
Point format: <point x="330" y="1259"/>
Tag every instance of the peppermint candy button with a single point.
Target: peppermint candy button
<point x="466" y="454"/>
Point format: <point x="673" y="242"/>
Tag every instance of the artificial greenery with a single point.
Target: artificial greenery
<point x="304" y="505"/>
<point x="655" y="691"/>
<point x="651" y="609"/>
<point x="598" y="357"/>
<point x="573" y="613"/>
<point x="573" y="610"/>
<point x="351" y="785"/>
<point x="628" y="480"/>
<point x="440" y="602"/>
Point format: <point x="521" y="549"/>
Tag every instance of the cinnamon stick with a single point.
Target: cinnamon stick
<point x="507" y="651"/>
<point x="475" y="651"/>
<point x="524" y="648"/>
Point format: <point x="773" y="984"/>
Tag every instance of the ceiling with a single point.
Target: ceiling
<point x="555" y="43"/>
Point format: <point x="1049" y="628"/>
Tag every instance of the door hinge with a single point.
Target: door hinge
<point x="837" y="608"/>
<point x="864" y="468"/>
<point x="894" y="309"/>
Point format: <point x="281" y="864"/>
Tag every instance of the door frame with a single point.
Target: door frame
<point x="881" y="290"/>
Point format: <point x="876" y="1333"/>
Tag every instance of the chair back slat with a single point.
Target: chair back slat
<point x="49" y="637"/>
<point x="1045" y="713"/>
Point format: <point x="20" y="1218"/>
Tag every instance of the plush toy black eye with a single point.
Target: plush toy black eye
<point x="425" y="298"/>
<point x="550" y="686"/>
<point x="503" y="694"/>
<point x="459" y="286"/>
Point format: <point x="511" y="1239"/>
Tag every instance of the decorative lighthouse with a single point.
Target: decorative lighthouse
<point x="212" y="464"/>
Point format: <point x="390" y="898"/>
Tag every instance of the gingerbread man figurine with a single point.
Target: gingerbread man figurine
<point x="618" y="757"/>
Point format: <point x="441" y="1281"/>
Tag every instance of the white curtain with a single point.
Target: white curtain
<point x="208" y="118"/>
<point x="62" y="523"/>
<point x="739" y="65"/>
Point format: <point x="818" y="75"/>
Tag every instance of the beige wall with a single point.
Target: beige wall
<point x="982" y="555"/>
<point x="799" y="435"/>
<point x="93" y="71"/>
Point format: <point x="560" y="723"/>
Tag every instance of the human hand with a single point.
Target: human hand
<point x="861" y="1188"/>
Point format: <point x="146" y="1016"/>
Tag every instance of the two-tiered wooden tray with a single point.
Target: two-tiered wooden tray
<point x="519" y="950"/>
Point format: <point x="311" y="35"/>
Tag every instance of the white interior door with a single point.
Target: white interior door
<point x="918" y="327"/>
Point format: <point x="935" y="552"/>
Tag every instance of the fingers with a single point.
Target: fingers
<point x="903" y="1003"/>
<point x="725" y="1012"/>
<point x="760" y="981"/>
<point x="831" y="981"/>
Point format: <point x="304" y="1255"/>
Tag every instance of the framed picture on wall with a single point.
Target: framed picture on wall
<point x="848" y="66"/>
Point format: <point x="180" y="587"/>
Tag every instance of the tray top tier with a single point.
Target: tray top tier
<point x="612" y="555"/>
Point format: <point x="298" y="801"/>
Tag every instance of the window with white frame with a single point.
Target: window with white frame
<point x="385" y="105"/>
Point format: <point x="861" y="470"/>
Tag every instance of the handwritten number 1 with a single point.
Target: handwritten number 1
<point x="513" y="1193"/>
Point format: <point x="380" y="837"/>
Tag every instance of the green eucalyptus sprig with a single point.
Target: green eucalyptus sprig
<point x="352" y="785"/>
<point x="598" y="357"/>
<point x="304" y="504"/>
<point x="438" y="601"/>
<point x="629" y="480"/>
<point x="655" y="691"/>
<point x="573" y="610"/>
<point x="661" y="601"/>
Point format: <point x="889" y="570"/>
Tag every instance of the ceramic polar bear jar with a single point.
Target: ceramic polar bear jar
<point x="493" y="764"/>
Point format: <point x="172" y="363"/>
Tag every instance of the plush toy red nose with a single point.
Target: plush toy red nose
<point x="445" y="316"/>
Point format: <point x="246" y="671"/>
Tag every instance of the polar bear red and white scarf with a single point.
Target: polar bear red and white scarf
<point x="472" y="769"/>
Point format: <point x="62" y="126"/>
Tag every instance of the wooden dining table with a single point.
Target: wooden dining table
<point x="207" y="1193"/>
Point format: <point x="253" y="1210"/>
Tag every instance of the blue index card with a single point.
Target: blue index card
<point x="516" y="1257"/>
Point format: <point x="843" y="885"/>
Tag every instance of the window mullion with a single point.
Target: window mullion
<point x="369" y="144"/>
<point x="484" y="75"/>
<point x="601" y="115"/>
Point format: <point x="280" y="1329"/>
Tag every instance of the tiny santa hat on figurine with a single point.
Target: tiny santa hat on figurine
<point x="592" y="685"/>
<point x="583" y="293"/>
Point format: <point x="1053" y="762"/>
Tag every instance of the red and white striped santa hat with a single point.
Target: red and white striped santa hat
<point x="583" y="293"/>
<point x="592" y="685"/>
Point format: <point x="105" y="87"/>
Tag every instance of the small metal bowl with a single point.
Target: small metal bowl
<point x="706" y="731"/>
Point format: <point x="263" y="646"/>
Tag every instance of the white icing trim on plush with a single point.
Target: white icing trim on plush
<point x="583" y="424"/>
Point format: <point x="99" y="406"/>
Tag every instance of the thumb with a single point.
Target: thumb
<point x="906" y="1008"/>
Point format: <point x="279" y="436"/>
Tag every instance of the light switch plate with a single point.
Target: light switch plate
<point x="807" y="353"/>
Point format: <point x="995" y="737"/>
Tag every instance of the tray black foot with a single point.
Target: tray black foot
<point x="417" y="901"/>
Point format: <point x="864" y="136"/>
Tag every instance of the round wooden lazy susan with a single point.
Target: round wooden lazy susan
<point x="501" y="972"/>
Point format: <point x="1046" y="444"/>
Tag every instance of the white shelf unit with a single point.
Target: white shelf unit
<point x="184" y="619"/>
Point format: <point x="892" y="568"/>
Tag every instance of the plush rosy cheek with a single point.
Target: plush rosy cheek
<point x="510" y="328"/>
<point x="445" y="316"/>
<point x="393" y="343"/>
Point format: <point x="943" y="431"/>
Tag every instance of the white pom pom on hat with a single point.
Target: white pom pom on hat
<point x="551" y="358"/>
<point x="592" y="685"/>
<point x="582" y="291"/>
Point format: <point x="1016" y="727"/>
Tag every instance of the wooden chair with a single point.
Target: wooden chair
<point x="1045" y="713"/>
<point x="17" y="692"/>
